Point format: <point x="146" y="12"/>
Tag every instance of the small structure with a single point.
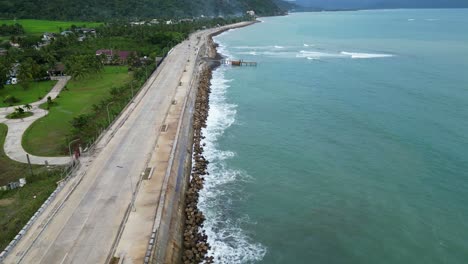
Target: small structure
<point x="57" y="70"/>
<point x="186" y="20"/>
<point x="3" y="52"/>
<point x="15" y="45"/>
<point x="137" y="23"/>
<point x="48" y="37"/>
<point x="86" y="30"/>
<point x="250" y="13"/>
<point x="239" y="63"/>
<point x="13" y="185"/>
<point x="22" y="182"/>
<point x="66" y="33"/>
<point x="115" y="56"/>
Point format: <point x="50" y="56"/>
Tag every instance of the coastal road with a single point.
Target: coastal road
<point x="83" y="223"/>
<point x="84" y="229"/>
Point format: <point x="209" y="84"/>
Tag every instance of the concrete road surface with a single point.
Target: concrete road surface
<point x="83" y="231"/>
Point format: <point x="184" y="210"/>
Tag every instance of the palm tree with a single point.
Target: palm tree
<point x="28" y="107"/>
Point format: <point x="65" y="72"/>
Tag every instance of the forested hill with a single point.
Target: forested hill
<point x="100" y="10"/>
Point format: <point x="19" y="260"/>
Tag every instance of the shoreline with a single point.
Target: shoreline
<point x="195" y="245"/>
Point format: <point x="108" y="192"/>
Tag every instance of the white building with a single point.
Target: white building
<point x="251" y="13"/>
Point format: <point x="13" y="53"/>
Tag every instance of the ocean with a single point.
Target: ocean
<point x="348" y="143"/>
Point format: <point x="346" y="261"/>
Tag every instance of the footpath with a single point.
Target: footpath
<point x="16" y="128"/>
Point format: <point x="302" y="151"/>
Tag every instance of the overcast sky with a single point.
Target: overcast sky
<point x="382" y="3"/>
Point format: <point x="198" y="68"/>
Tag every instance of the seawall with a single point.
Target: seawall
<point x="177" y="239"/>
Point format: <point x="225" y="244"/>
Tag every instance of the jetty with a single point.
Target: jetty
<point x="239" y="63"/>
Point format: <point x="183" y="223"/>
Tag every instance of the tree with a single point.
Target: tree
<point x="19" y="110"/>
<point x="28" y="107"/>
<point x="4" y="71"/>
<point x="26" y="72"/>
<point x="80" y="66"/>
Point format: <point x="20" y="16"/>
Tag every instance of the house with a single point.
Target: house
<point x="66" y="33"/>
<point x="86" y="30"/>
<point x="154" y="22"/>
<point x="251" y="13"/>
<point x="48" y="37"/>
<point x="139" y="23"/>
<point x="169" y="22"/>
<point x="15" y="45"/>
<point x="111" y="55"/>
<point x="3" y="52"/>
<point x="186" y="20"/>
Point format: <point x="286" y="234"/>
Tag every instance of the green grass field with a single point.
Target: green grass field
<point x="11" y="170"/>
<point x="18" y="206"/>
<point x="48" y="136"/>
<point x="38" y="27"/>
<point x="30" y="95"/>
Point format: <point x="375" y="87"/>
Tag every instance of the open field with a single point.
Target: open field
<point x="48" y="136"/>
<point x="30" y="95"/>
<point x="37" y="27"/>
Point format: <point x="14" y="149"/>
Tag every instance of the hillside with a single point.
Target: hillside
<point x="102" y="10"/>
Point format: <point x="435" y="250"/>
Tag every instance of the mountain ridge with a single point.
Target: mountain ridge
<point x="104" y="10"/>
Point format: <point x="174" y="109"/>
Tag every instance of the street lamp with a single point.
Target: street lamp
<point x="131" y="85"/>
<point x="108" y="115"/>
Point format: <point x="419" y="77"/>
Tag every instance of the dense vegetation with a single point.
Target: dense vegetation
<point x="76" y="115"/>
<point x="11" y="30"/>
<point x="105" y="10"/>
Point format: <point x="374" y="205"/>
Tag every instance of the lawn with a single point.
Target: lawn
<point x="48" y="136"/>
<point x="30" y="95"/>
<point x="38" y="27"/>
<point x="11" y="170"/>
<point x="18" y="206"/>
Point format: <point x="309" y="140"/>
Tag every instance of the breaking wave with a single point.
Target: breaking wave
<point x="310" y="55"/>
<point x="356" y="55"/>
<point x="229" y="242"/>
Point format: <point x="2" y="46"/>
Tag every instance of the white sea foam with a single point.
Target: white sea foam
<point x="317" y="54"/>
<point x="411" y="19"/>
<point x="258" y="47"/>
<point x="229" y="242"/>
<point x="222" y="50"/>
<point x="356" y="55"/>
<point x="432" y="19"/>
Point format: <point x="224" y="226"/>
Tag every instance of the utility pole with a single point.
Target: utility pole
<point x="30" y="166"/>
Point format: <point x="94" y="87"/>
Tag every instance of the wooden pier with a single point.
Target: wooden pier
<point x="239" y="63"/>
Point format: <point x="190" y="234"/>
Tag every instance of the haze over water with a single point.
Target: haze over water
<point x="347" y="144"/>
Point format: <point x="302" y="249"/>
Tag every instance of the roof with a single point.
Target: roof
<point x="58" y="67"/>
<point x="123" y="54"/>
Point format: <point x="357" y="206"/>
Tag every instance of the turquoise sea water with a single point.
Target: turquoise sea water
<point x="347" y="144"/>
